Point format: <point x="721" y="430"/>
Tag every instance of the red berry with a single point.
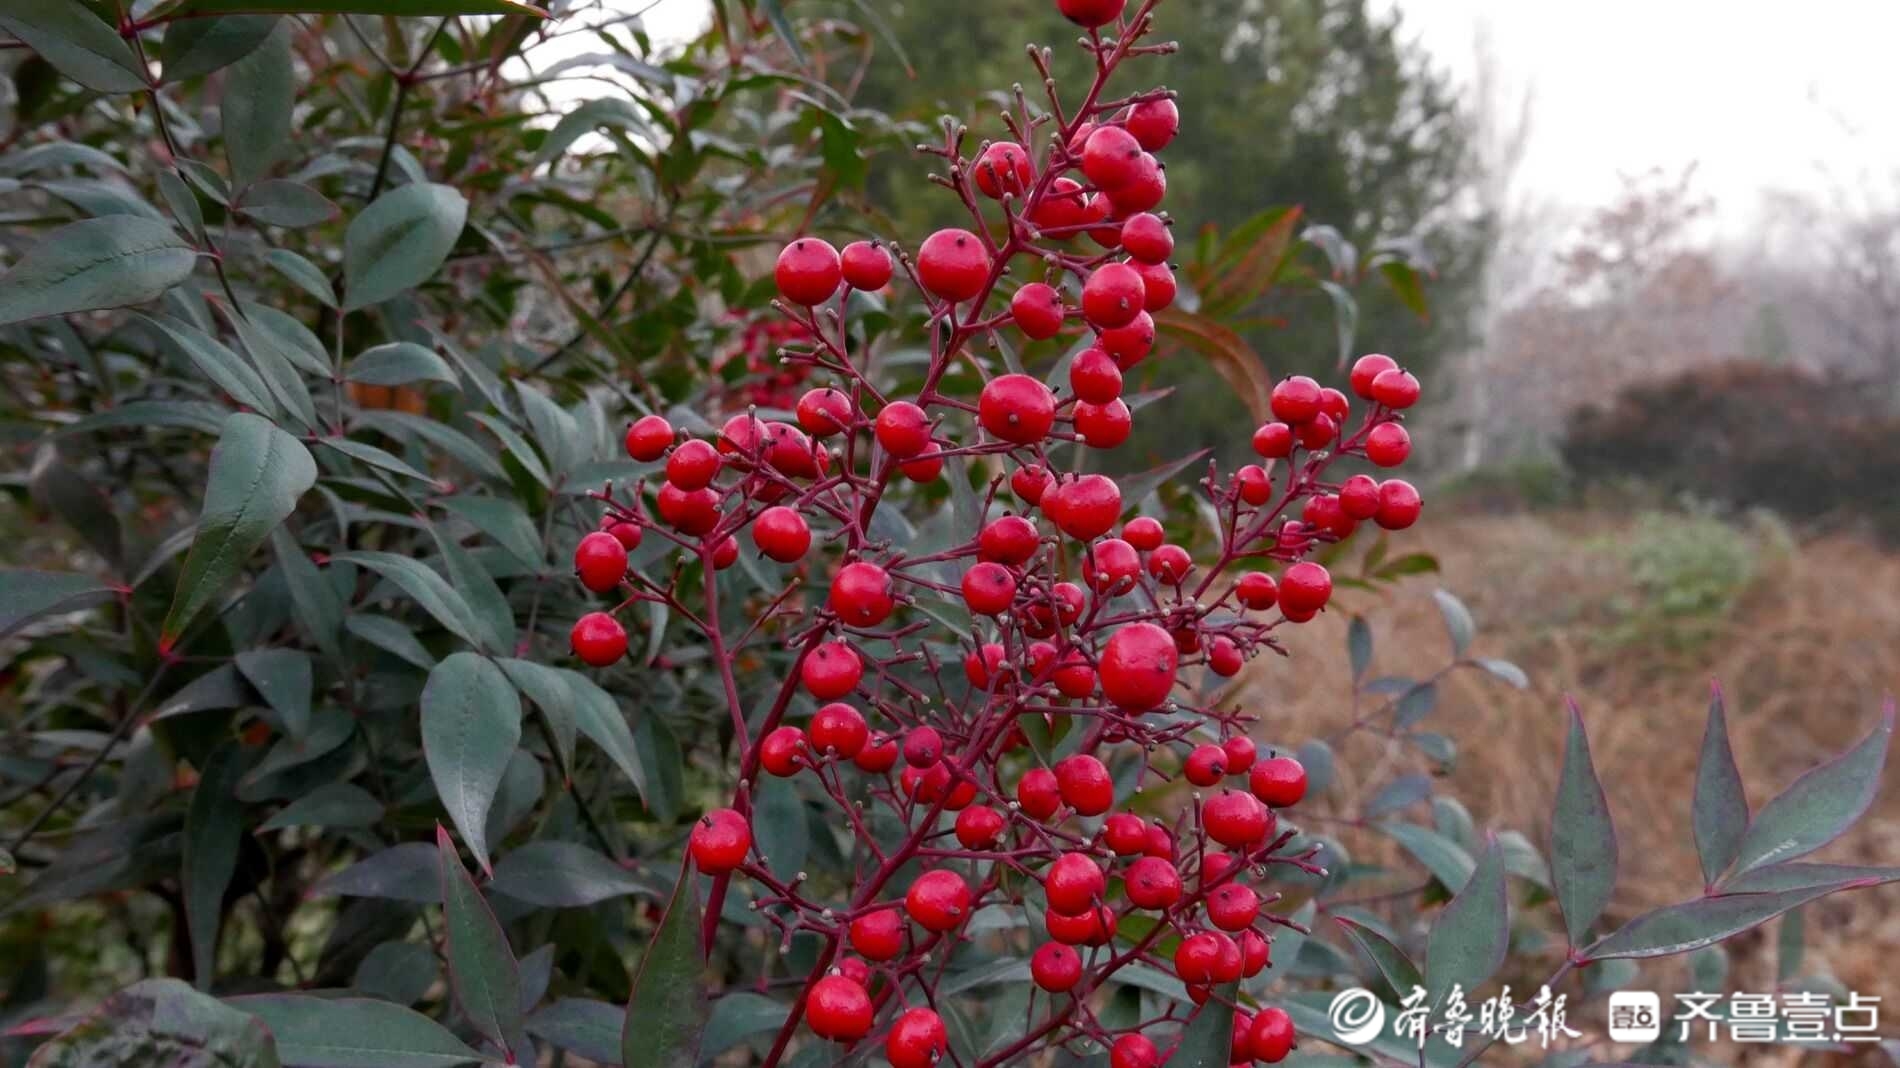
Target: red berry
<point x="1085" y="784"/>
<point x="598" y="639"/>
<point x="1129" y="344"/>
<point x="1318" y="431"/>
<point x="1306" y="587"/>
<point x="808" y="271"/>
<point x="719" y="841"/>
<point x="1103" y="230"/>
<point x="989" y="589"/>
<point x="1030" y="482"/>
<point x="839" y="729"/>
<point x="1170" y="564"/>
<point x="1366" y="369"/>
<point x="923" y="747"/>
<point x="1010" y="540"/>
<point x="1134" y="1051"/>
<point x="1073" y="884"/>
<point x="1197" y="958"/>
<point x="1279" y="782"/>
<point x="1359" y="497"/>
<point x="600" y="561"/>
<point x="1147" y="238"/>
<point x="781" y="534"/>
<point x="938" y="901"/>
<point x="1295" y="399"/>
<point x="1160" y="843"/>
<point x="878" y="935"/>
<point x="782" y="752"/>
<point x="926" y="466"/>
<point x="1223" y="657"/>
<point x="839" y="1009"/>
<point x="917" y="1040"/>
<point x="1255" y="953"/>
<point x="1055" y="967"/>
<point x="725" y="554"/>
<point x="824" y="411"/>
<point x="1396" y="389"/>
<point x="1017" y="408"/>
<point x="1144" y="533"/>
<point x="1236" y="820"/>
<point x="1061" y="208"/>
<point x="648" y="438"/>
<point x="878" y="756"/>
<point x="1094" y="377"/>
<point x="692" y="512"/>
<point x="1387" y="445"/>
<point x="1152" y="883"/>
<point x="1111" y="158"/>
<point x="866" y="266"/>
<point x="1112" y="296"/>
<point x="953" y="264"/>
<point x="1038" y="310"/>
<point x="1233" y="907"/>
<point x="1074" y="677"/>
<point x="861" y="594"/>
<point x="1271" y="1037"/>
<point x="831" y="671"/>
<point x="1240" y="753"/>
<point x="1253" y="484"/>
<point x="1206" y="765"/>
<point x="693" y="465"/>
<point x="985" y="664"/>
<point x="1004" y="168"/>
<point x="1085" y="508"/>
<point x="1335" y="404"/>
<point x="902" y="429"/>
<point x="1144" y="191"/>
<point x="1273" y="441"/>
<point x="1157" y="286"/>
<point x="1111" y="566"/>
<point x="1137" y="667"/>
<point x="1257" y="590"/>
<point x="740" y="436"/>
<point x="1038" y="793"/>
<point x="1154" y="123"/>
<point x="1092" y="927"/>
<point x="979" y="826"/>
<point x="1091" y="13"/>
<point x="627" y="533"/>
<point x="1125" y="833"/>
<point x="1399" y="504"/>
<point x="1103" y="426"/>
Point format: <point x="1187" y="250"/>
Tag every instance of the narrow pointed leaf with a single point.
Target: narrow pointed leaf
<point x="214" y="360"/>
<point x="282" y="677"/>
<point x="255" y="108"/>
<point x="109" y="262"/>
<point x="1469" y="938"/>
<point x="1397" y="968"/>
<point x="338" y="804"/>
<point x="279" y="202"/>
<point x="319" y="606"/>
<point x="1457" y="621"/>
<point x="195" y="47"/>
<point x="366" y="7"/>
<point x="581" y="1026"/>
<point x="26" y="595"/>
<point x="1675" y="929"/>
<point x="354" y="1033"/>
<point x="666" y="1013"/>
<point x="214" y="824"/>
<point x="482" y="968"/>
<point x="423" y="586"/>
<point x="78" y="43"/>
<point x="1582" y="838"/>
<point x="566" y="875"/>
<point x="1720" y="809"/>
<point x="1819" y="806"/>
<point x="400" y="363"/>
<point x="408" y="872"/>
<point x="1208" y="1040"/>
<point x="1798" y="876"/>
<point x="399" y="241"/>
<point x="471" y="724"/>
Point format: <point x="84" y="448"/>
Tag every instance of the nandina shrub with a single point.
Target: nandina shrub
<point x="907" y="735"/>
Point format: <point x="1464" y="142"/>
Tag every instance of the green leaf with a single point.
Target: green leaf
<point x="503" y="520"/>
<point x="375" y="457"/>
<point x="305" y="275"/>
<point x="78" y="43"/>
<point x="464" y="449"/>
<point x="1397" y="968"/>
<point x="1797" y="876"/>
<point x="581" y="1026"/>
<point x="1408" y="284"/>
<point x="399" y="242"/>
<point x="553" y="428"/>
<point x="1402" y="792"/>
<point x="517" y="447"/>
<point x="780" y="827"/>
<point x="1720" y="809"/>
<point x="278" y="202"/>
<point x="1675" y="929"/>
<point x="667" y="1010"/>
<point x="183" y="204"/>
<point x="738" y="1016"/>
<point x="608" y="112"/>
<point x="408" y="872"/>
<point x="282" y="677"/>
<point x="399" y="363"/>
<point x="255" y="107"/>
<point x="391" y="637"/>
<point x="257" y="474"/>
<point x="55" y="155"/>
<point x="478" y="588"/>
<point x="161" y="1022"/>
<point x="1582" y="838"/>
<point x="1505" y="671"/>
<point x="224" y="368"/>
<point x="401" y="972"/>
<point x="1445" y="859"/>
<point x="354" y="1033"/>
<point x="1469" y="938"/>
<point x="338" y="805"/>
<point x="26" y="595"/>
<point x="214" y="824"/>
<point x="1208" y="1040"/>
<point x="565" y="875"/>
<point x="319" y="605"/>
<point x="109" y="262"/>
<point x="1359" y="646"/>
<point x="364" y="7"/>
<point x="659" y="752"/>
<point x="594" y="711"/>
<point x="471" y="724"/>
<point x="196" y="47"/>
<point x="1820" y="805"/>
<point x="1457" y="621"/>
<point x="482" y="969"/>
<point x="330" y="727"/>
<point x="184" y="415"/>
<point x="423" y="586"/>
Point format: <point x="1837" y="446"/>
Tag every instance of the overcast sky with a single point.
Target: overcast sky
<point x="1760" y="95"/>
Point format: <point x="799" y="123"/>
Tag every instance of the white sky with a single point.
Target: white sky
<point x="1760" y="95"/>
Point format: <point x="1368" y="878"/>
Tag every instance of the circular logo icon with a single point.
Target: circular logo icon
<point x="1356" y="1016"/>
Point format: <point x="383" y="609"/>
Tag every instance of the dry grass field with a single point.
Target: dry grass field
<point x="1805" y="640"/>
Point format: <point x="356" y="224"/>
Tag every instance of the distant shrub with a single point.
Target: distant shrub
<point x="1528" y="483"/>
<point x="1688" y="570"/>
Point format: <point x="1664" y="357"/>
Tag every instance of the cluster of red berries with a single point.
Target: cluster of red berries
<point x="767" y="383"/>
<point x="1082" y="624"/>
